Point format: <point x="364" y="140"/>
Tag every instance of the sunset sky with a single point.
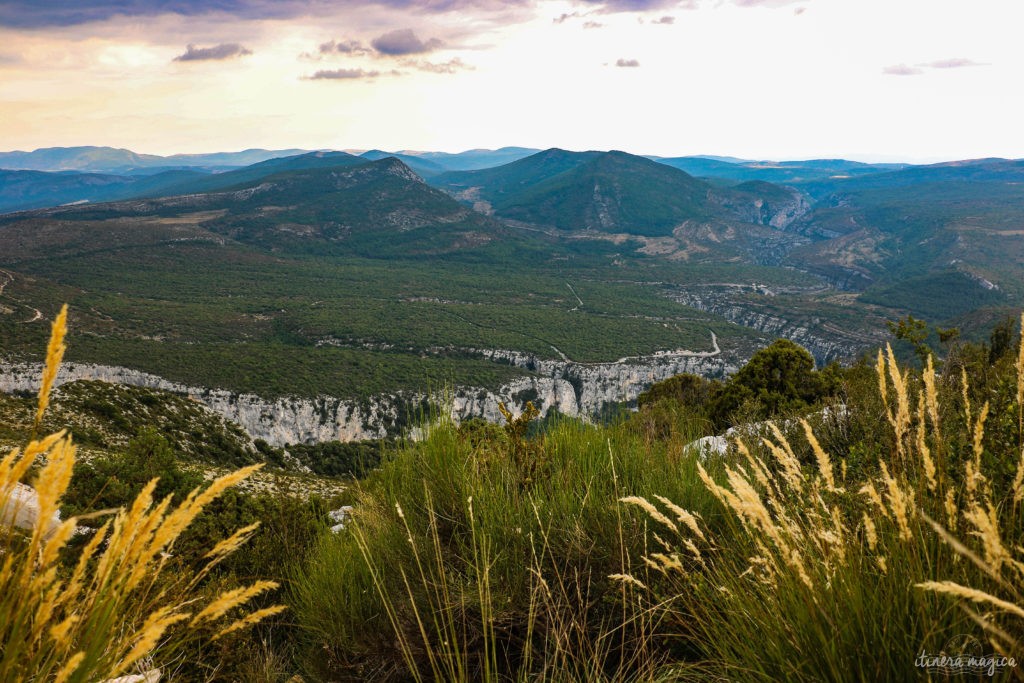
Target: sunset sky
<point x="914" y="80"/>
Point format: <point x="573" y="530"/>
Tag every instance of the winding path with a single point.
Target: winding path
<point x="36" y="313"/>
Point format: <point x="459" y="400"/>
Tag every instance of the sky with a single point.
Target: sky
<point x="873" y="80"/>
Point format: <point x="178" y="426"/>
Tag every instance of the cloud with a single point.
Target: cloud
<point x="9" y="58"/>
<point x="349" y="74"/>
<point x="345" y="47"/>
<point x="630" y="63"/>
<point x="667" y="20"/>
<point x="592" y="24"/>
<point x="48" y="13"/>
<point x="614" y="6"/>
<point x="918" y="69"/>
<point x="764" y="3"/>
<point x="217" y="52"/>
<point x="799" y="10"/>
<point x="902" y="70"/>
<point x="404" y="42"/>
<point x="450" y="67"/>
<point x="952" y="63"/>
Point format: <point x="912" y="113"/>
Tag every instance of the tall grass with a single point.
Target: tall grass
<point x="115" y="604"/>
<point x="838" y="547"/>
<point x="836" y="573"/>
<point x="480" y="554"/>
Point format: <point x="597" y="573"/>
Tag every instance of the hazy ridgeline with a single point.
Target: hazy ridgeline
<point x="888" y="524"/>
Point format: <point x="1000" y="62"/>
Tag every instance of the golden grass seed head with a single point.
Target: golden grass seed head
<point x="54" y="355"/>
<point x="683" y="516"/>
<point x="69" y="667"/>
<point x="973" y="594"/>
<point x="824" y="463"/>
<point x="251" y="619"/>
<point x="952" y="511"/>
<point x="627" y="579"/>
<point x="986" y="528"/>
<point x="871" y="532"/>
<point x="922" y="446"/>
<point x="653" y="512"/>
<point x="230" y="599"/>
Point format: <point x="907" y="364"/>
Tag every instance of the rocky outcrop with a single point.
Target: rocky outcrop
<point x="825" y="342"/>
<point x="779" y="208"/>
<point x="574" y="389"/>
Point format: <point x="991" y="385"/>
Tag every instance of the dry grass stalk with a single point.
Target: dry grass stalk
<point x="901" y="421"/>
<point x="628" y="579"/>
<point x="871" y="532"/>
<point x="761" y="472"/>
<point x="931" y="398"/>
<point x="922" y="446"/>
<point x="684" y="516"/>
<point x="974" y="478"/>
<point x="973" y="594"/>
<point x="901" y="503"/>
<point x="883" y="385"/>
<point x="952" y="511"/>
<point x="250" y="620"/>
<point x="874" y="497"/>
<point x="1020" y="386"/>
<point x="54" y="355"/>
<point x="824" y="463"/>
<point x="790" y="465"/>
<point x="1018" y="481"/>
<point x="986" y="527"/>
<point x="964" y="394"/>
<point x="652" y="511"/>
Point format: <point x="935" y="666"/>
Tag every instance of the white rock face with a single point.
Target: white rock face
<point x="21" y="509"/>
<point x="574" y="389"/>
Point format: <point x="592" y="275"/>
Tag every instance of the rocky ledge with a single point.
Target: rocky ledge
<point x="573" y="389"/>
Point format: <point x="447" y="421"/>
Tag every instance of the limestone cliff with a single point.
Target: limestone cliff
<point x="574" y="389"/>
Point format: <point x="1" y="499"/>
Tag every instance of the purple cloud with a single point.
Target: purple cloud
<point x="628" y="63"/>
<point x="952" y="63"/>
<point x="217" y="52"/>
<point x="404" y="42"/>
<point x="450" y="67"/>
<point x="665" y="20"/>
<point x="613" y="6"/>
<point x="592" y="24"/>
<point x="764" y="3"/>
<point x="901" y="70"/>
<point x="345" y="47"/>
<point x="42" y="13"/>
<point x="349" y="74"/>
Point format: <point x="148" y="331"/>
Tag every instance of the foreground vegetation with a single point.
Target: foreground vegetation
<point x="874" y="522"/>
<point x="888" y="524"/>
<point x="96" y="610"/>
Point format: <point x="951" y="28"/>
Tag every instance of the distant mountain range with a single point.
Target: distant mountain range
<point x="112" y="160"/>
<point x="369" y="268"/>
<point x="891" y="232"/>
<point x="611" y="192"/>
